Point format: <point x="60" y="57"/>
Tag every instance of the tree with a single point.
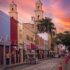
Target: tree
<point x="64" y="38"/>
<point x="46" y="25"/>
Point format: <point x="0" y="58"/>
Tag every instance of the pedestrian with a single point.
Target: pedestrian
<point x="7" y="58"/>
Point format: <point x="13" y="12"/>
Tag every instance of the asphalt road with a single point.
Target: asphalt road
<point x="50" y="64"/>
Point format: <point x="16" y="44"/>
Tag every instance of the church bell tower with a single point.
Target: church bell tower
<point x="13" y="10"/>
<point x="38" y="14"/>
<point x="38" y="10"/>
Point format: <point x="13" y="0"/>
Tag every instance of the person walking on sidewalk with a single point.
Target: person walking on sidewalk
<point x="7" y="58"/>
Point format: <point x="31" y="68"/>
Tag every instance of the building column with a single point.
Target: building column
<point x="21" y="54"/>
<point x="15" y="55"/>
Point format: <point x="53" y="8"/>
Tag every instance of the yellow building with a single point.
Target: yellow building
<point x="20" y="34"/>
<point x="28" y="33"/>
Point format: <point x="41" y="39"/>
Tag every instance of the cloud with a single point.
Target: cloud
<point x="57" y="9"/>
<point x="61" y="13"/>
<point x="25" y="8"/>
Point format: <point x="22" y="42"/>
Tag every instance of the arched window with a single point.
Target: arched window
<point x="12" y="9"/>
<point x="38" y="16"/>
<point x="38" y="7"/>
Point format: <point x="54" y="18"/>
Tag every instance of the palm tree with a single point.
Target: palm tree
<point x="46" y="25"/>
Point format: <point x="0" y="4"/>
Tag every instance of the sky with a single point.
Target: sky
<point x="44" y="36"/>
<point x="58" y="10"/>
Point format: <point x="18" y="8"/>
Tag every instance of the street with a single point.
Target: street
<point x="49" y="64"/>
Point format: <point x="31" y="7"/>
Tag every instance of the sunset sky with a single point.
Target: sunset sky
<point x="58" y="10"/>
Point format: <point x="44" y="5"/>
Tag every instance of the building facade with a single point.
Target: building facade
<point x="29" y="40"/>
<point x="28" y="34"/>
<point x="11" y="41"/>
<point x="16" y="35"/>
<point x="4" y="36"/>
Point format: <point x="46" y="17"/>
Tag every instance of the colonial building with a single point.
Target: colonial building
<point x="28" y="34"/>
<point x="29" y="40"/>
<point x="16" y="33"/>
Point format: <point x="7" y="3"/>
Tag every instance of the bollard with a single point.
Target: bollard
<point x="60" y="66"/>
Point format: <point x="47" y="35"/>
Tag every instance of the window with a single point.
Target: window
<point x="38" y="7"/>
<point x="31" y="39"/>
<point x="27" y="37"/>
<point x="38" y="16"/>
<point x="20" y="30"/>
<point x="32" y="26"/>
<point x="20" y="35"/>
<point x="12" y="9"/>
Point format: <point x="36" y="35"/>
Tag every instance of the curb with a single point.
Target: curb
<point x="13" y="65"/>
<point x="2" y="67"/>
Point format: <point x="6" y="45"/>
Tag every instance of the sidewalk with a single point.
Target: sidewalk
<point x="2" y="67"/>
<point x="13" y="65"/>
<point x="17" y="64"/>
<point x="64" y="66"/>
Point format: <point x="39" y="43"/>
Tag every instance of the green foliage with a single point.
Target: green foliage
<point x="64" y="38"/>
<point x="46" y="25"/>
